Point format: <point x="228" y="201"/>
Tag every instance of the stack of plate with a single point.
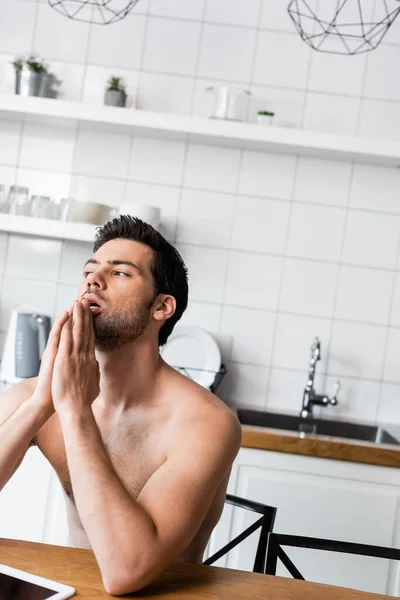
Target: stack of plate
<point x="193" y="352"/>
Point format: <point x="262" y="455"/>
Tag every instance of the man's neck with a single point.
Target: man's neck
<point x="128" y="374"/>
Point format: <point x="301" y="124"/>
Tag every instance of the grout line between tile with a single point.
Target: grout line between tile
<point x="282" y="276"/>
<point x="340" y="266"/>
<point x="389" y="326"/>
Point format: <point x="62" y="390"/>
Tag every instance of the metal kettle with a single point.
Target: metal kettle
<point x="26" y="341"/>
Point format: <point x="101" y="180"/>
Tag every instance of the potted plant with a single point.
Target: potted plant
<point x="115" y="93"/>
<point x="31" y="76"/>
<point x="265" y="117"/>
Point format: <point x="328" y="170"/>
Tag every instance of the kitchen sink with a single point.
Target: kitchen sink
<point x="340" y="429"/>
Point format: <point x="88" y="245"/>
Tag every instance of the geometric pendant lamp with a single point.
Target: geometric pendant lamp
<point x="343" y="26"/>
<point x="100" y="12"/>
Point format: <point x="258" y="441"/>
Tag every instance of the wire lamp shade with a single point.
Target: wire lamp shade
<point x="101" y="12"/>
<point x="343" y="26"/>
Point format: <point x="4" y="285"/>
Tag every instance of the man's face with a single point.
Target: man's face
<point x="118" y="279"/>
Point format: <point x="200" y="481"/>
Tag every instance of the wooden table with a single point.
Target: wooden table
<point x="79" y="569"/>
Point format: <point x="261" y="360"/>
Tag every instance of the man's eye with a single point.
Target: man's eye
<point x="86" y="273"/>
<point x="121" y="273"/>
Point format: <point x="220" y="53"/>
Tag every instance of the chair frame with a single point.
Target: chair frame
<point x="277" y="540"/>
<point x="265" y="523"/>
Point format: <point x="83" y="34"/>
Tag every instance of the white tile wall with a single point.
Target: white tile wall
<point x="156" y="161"/>
<point x="227" y="53"/>
<point x="16" y="26"/>
<point x="269" y="175"/>
<point x="279" y="248"/>
<point x="357" y="350"/>
<point x="180" y="9"/>
<point x="252" y="334"/>
<point x="338" y="74"/>
<point x="120" y="46"/>
<point x="212" y="168"/>
<point x="326" y="112"/>
<point x="253" y="280"/>
<point x="59" y="38"/>
<point x="371" y="239"/>
<point x="10" y="134"/>
<point x="309" y="287"/>
<point x="322" y="181"/>
<point x="364" y="295"/>
<point x="270" y="71"/>
<point x="97" y="153"/>
<point x="375" y="188"/>
<point x="316" y="232"/>
<point x="47" y="148"/>
<point x="260" y="225"/>
<point x="171" y="46"/>
<point x="205" y="218"/>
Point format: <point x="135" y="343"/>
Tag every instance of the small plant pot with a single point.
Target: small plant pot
<point x="112" y="98"/>
<point x="29" y="83"/>
<point x="265" y="119"/>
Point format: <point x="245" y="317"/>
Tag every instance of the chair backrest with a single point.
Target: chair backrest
<point x="265" y="524"/>
<point x="275" y="550"/>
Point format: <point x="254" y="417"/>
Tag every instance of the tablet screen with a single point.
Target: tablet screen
<point x="12" y="588"/>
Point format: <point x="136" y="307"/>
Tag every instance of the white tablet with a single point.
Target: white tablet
<point x="19" y="585"/>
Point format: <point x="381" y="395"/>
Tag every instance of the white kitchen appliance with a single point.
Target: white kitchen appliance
<point x="25" y="343"/>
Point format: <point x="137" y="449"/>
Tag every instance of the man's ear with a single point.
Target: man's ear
<point x="164" y="308"/>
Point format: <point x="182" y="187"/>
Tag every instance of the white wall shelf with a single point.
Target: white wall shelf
<point x="46" y="228"/>
<point x="206" y="131"/>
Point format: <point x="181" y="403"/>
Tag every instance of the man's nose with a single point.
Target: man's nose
<point x="94" y="280"/>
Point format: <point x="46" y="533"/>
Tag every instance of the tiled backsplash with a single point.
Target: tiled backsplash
<point x="279" y="248"/>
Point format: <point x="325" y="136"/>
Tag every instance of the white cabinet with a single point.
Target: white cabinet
<point x="31" y="504"/>
<point x="321" y="498"/>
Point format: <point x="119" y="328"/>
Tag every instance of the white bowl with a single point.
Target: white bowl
<point x="149" y="214"/>
<point x="87" y="212"/>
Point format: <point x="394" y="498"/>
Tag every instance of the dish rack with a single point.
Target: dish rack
<point x="219" y="375"/>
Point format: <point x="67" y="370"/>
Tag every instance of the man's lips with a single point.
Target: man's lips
<point x="96" y="304"/>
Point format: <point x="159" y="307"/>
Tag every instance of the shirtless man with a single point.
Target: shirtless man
<point x="143" y="452"/>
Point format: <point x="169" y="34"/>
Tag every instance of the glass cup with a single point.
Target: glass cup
<point x="43" y="207"/>
<point x="18" y="200"/>
<point x="3" y="199"/>
<point x="62" y="207"/>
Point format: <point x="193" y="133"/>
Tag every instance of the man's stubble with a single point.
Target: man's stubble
<point x="114" y="329"/>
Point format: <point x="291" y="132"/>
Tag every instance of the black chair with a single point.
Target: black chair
<point x="265" y="524"/>
<point x="275" y="550"/>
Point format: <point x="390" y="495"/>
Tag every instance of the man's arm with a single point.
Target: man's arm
<point x="134" y="541"/>
<point x="25" y="408"/>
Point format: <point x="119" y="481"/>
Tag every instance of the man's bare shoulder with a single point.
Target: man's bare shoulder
<point x="199" y="413"/>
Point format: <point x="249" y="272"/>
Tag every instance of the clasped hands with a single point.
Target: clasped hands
<point x="69" y="374"/>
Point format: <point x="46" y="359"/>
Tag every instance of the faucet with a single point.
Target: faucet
<point x="310" y="398"/>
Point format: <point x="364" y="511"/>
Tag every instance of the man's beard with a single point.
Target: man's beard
<point x="115" y="330"/>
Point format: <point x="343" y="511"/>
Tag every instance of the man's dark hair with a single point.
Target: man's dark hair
<point x="167" y="267"/>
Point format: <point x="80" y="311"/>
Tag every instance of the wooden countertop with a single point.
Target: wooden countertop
<point x="79" y="569"/>
<point x="320" y="446"/>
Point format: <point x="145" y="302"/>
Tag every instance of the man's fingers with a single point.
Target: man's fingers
<point x="78" y="327"/>
<point x="88" y="325"/>
<point x="54" y="336"/>
<point x="65" y="345"/>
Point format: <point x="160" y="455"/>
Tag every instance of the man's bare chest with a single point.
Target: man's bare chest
<point x="135" y="451"/>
